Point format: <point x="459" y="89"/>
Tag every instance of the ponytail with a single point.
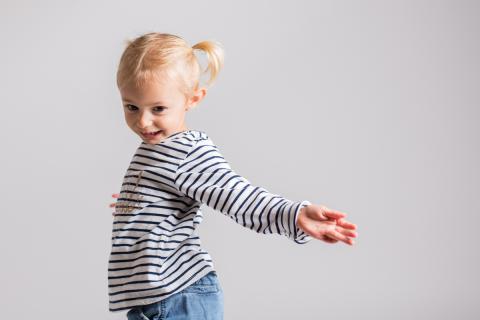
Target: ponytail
<point x="215" y="57"/>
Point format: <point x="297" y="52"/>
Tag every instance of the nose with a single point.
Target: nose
<point x="144" y="120"/>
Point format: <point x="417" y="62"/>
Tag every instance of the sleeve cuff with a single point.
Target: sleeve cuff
<point x="300" y="236"/>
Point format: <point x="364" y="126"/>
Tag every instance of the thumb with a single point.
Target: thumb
<point x="334" y="214"/>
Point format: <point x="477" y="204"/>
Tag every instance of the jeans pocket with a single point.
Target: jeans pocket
<point x="207" y="284"/>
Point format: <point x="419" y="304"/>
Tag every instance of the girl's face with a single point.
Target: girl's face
<point x="157" y="110"/>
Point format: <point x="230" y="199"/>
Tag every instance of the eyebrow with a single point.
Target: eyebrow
<point x="153" y="104"/>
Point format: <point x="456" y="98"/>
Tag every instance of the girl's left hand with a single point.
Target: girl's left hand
<point x="326" y="224"/>
<point x="112" y="205"/>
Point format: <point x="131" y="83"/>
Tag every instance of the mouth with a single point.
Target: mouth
<point x="152" y="134"/>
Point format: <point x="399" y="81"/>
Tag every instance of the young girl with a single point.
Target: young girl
<point x="158" y="268"/>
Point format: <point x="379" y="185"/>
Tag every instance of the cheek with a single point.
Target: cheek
<point x="130" y="120"/>
<point x="179" y="113"/>
<point x="162" y="119"/>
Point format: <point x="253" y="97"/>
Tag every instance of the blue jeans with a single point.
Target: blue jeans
<point x="202" y="300"/>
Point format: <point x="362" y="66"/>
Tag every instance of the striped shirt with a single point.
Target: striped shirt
<point x="156" y="250"/>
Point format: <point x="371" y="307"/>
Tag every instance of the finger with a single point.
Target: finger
<point x="347" y="232"/>
<point x="339" y="236"/>
<point x="115" y="195"/>
<point x="334" y="214"/>
<point x="112" y="205"/>
<point x="346" y="224"/>
<point x="350" y="225"/>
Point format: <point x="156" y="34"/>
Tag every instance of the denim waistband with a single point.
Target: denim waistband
<point x="209" y="278"/>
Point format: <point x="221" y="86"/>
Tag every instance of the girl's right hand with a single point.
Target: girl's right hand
<point x="326" y="224"/>
<point x="112" y="205"/>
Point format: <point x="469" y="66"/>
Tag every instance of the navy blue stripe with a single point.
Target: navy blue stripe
<point x="149" y="240"/>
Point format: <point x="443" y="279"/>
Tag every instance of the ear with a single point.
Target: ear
<point x="198" y="95"/>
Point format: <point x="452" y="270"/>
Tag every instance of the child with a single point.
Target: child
<point x="157" y="265"/>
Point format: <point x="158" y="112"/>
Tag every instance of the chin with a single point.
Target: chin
<point x="150" y="140"/>
<point x="155" y="140"/>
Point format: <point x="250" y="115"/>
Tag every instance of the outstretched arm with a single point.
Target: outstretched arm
<point x="205" y="175"/>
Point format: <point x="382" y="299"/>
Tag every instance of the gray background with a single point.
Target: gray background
<point x="368" y="107"/>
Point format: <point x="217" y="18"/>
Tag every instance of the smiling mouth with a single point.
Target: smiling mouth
<point x="151" y="134"/>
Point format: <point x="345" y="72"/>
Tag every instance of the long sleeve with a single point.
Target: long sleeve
<point x="204" y="175"/>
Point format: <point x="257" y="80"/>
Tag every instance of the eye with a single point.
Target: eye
<point x="130" y="107"/>
<point x="159" y="109"/>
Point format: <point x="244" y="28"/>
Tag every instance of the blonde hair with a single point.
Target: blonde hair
<point x="153" y="56"/>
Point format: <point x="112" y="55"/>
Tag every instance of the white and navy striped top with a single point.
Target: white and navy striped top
<point x="156" y="251"/>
